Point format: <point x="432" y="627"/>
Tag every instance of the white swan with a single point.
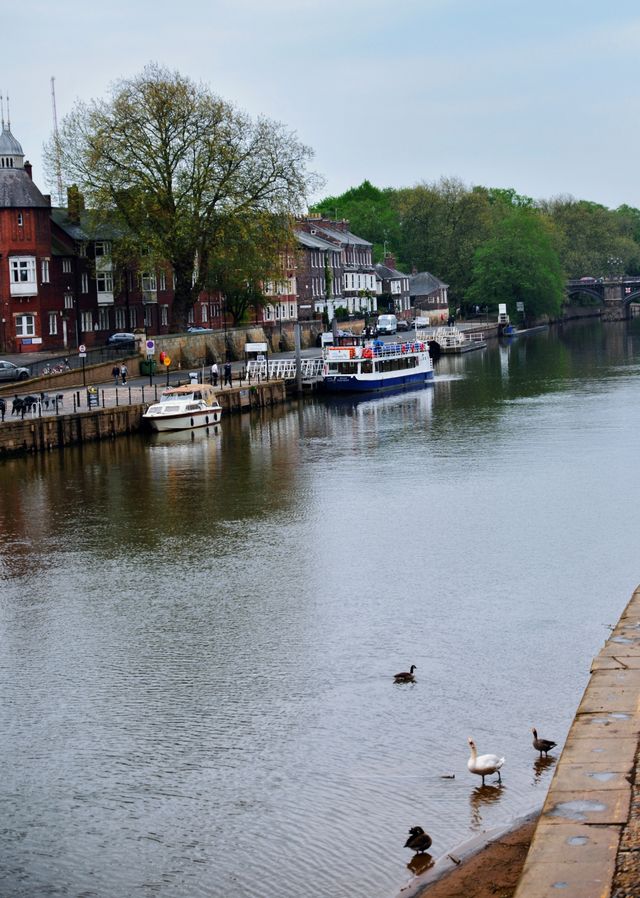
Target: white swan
<point x="484" y="765"/>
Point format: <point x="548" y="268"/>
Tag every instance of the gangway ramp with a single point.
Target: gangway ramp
<point x="285" y="369"/>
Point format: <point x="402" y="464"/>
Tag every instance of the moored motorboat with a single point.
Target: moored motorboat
<point x="185" y="407"/>
<point x="376" y="366"/>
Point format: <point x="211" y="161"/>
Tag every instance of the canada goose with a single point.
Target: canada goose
<point x="418" y="839"/>
<point x="542" y="745"/>
<point x="405" y="676"/>
<point x="484" y="765"/>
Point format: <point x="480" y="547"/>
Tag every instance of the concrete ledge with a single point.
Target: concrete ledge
<point x="587" y="837"/>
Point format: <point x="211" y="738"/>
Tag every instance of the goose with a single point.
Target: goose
<point x="542" y="745"/>
<point x="405" y="676"/>
<point x="484" y="765"/>
<point x="418" y="839"/>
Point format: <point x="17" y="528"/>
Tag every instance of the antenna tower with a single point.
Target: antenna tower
<point x="56" y="140"/>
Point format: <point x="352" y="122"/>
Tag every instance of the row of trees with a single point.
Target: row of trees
<point x="493" y="245"/>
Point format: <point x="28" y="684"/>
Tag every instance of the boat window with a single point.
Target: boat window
<point x="366" y="368"/>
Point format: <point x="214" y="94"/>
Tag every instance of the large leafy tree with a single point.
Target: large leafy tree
<point x="519" y="264"/>
<point x="170" y="164"/>
<point x="442" y="225"/>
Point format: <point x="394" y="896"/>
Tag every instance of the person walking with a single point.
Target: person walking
<point x="214" y="374"/>
<point x="227" y="374"/>
<point x="115" y="373"/>
<point x="123" y="373"/>
<point x="3" y="408"/>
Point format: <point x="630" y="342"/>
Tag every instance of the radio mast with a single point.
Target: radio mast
<point x="56" y="140"/>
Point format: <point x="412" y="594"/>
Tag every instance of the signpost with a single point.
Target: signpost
<point x="167" y="362"/>
<point x="82" y="354"/>
<point x="150" y="347"/>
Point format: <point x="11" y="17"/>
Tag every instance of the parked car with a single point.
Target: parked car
<point x="9" y="371"/>
<point x="403" y="324"/>
<point x="199" y="330"/>
<point x="116" y="339"/>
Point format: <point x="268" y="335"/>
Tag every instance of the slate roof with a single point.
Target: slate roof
<point x="314" y="242"/>
<point x="342" y="236"/>
<point x="87" y="229"/>
<point x="388" y="274"/>
<point x="17" y="191"/>
<point x="423" y="283"/>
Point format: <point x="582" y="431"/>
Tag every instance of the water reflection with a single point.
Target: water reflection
<point x="420" y="863"/>
<point x="480" y="799"/>
<point x="540" y="765"/>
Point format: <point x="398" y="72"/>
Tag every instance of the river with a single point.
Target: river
<point x="199" y="636"/>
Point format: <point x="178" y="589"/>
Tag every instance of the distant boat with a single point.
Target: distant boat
<point x="376" y="366"/>
<point x="511" y="331"/>
<point x="451" y="340"/>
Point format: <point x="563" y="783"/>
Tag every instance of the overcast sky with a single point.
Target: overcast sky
<point x="539" y="96"/>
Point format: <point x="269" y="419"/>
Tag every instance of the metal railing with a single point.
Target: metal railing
<point x="284" y="369"/>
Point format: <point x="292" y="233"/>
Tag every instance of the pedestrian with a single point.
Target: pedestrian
<point x="227" y="374"/>
<point x="214" y="374"/>
<point x="3" y="407"/>
<point x="115" y="373"/>
<point x="123" y="373"/>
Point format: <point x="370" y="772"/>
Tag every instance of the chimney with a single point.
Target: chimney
<point x="390" y="261"/>
<point x="75" y="204"/>
<point x="27" y="168"/>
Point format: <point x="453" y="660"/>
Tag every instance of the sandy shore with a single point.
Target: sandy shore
<point x="490" y="871"/>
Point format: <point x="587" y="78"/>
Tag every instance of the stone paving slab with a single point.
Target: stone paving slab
<point x="580" y="777"/>
<point x="583" y="881"/>
<point x="606" y="726"/>
<point x="619" y="753"/>
<point x="600" y="806"/>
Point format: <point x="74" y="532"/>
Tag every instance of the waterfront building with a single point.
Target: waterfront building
<point x="336" y="269"/>
<point x="429" y="296"/>
<point x="392" y="286"/>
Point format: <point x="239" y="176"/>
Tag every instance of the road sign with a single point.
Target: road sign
<point x="167" y="360"/>
<point x="82" y="351"/>
<point x="519" y="307"/>
<point x="151" y="345"/>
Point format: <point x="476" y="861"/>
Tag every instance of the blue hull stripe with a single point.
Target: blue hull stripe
<point x="343" y="383"/>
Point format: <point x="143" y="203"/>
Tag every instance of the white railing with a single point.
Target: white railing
<point x="284" y="369"/>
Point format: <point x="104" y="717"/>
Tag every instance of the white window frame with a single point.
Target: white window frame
<point x="68" y="300"/>
<point x="86" y="322"/>
<point x="66" y="266"/>
<point x="121" y="318"/>
<point x="104" y="282"/>
<point x="44" y="271"/>
<point x="103" y="319"/>
<point x="84" y="282"/>
<point x="22" y="276"/>
<point x="25" y="325"/>
<point x="53" y="324"/>
<point x="164" y="315"/>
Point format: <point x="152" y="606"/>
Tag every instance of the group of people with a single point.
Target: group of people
<point x="215" y="374"/>
<point x="119" y="371"/>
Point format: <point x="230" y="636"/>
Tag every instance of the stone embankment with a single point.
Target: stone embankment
<point x="587" y="840"/>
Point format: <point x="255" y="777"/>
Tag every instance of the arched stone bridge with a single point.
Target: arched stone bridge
<point x="615" y="293"/>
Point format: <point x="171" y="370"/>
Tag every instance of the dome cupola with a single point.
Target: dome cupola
<point x="11" y="153"/>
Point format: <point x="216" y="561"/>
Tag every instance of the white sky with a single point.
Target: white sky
<point x="542" y="97"/>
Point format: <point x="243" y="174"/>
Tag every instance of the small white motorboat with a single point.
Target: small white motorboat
<point x="185" y="407"/>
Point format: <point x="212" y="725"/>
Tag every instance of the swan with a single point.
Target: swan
<point x="405" y="676"/>
<point x="542" y="745"/>
<point x="418" y="839"/>
<point x="484" y="765"/>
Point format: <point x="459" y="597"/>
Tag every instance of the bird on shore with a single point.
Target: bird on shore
<point x="542" y="745"/>
<point x="484" y="765"/>
<point x="418" y="839"/>
<point x="406" y="676"/>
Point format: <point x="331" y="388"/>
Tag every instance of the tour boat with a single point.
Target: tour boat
<point x="376" y="366"/>
<point x="185" y="407"/>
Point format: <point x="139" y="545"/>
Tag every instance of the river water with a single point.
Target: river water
<point x="198" y="637"/>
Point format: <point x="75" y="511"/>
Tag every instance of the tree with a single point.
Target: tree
<point x="519" y="264"/>
<point x="170" y="164"/>
<point x="248" y="257"/>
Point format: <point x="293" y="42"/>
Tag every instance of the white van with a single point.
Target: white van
<point x="387" y="324"/>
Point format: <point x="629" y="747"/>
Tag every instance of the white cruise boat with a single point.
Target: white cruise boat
<point x="183" y="408"/>
<point x="377" y="366"/>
